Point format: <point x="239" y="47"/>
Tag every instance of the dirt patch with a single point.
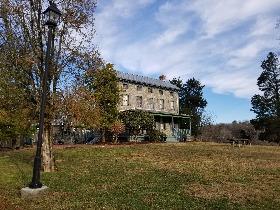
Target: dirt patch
<point x="233" y="191"/>
<point x="107" y="145"/>
<point x="5" y="204"/>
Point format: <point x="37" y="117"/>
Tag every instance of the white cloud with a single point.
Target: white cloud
<point x="110" y="35"/>
<point x="264" y="25"/>
<point x="220" y="42"/>
<point x="218" y="16"/>
<point x="237" y="82"/>
<point x="123" y="8"/>
<point x="170" y="35"/>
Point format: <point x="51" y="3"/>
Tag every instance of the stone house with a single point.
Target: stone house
<point x="158" y="97"/>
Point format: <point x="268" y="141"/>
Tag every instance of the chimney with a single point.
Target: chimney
<point x="162" y="77"/>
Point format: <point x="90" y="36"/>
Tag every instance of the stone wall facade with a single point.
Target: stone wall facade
<point x="153" y="98"/>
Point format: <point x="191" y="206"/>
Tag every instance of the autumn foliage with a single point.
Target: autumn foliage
<point x="117" y="128"/>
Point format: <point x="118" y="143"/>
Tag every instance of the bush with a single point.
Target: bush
<point x="117" y="128"/>
<point x="225" y="132"/>
<point x="136" y="121"/>
<point x="272" y="130"/>
<point x="156" y="136"/>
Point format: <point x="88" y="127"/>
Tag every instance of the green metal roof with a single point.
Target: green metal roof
<point x="146" y="81"/>
<point x="169" y="114"/>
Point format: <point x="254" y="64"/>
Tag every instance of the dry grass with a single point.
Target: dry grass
<point x="239" y="174"/>
<point x="158" y="176"/>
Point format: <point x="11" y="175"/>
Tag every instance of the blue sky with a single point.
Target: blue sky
<point x="221" y="43"/>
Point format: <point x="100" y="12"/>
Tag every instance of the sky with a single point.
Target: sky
<point x="219" y="42"/>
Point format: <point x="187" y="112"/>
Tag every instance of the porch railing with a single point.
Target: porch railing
<point x="180" y="134"/>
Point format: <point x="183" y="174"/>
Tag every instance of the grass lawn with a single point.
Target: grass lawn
<point x="148" y="176"/>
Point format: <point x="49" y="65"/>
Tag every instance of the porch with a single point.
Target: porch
<point x="177" y="127"/>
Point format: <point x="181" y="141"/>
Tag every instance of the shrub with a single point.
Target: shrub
<point x="224" y="132"/>
<point x="156" y="136"/>
<point x="117" y="128"/>
<point x="136" y="121"/>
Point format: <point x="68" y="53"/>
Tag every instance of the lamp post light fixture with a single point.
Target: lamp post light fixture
<point x="51" y="17"/>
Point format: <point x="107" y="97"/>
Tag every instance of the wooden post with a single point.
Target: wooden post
<point x="190" y="126"/>
<point x="172" y="125"/>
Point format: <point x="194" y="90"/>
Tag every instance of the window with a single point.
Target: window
<point x="157" y="125"/>
<point x="125" y="100"/>
<point x="139" y="101"/>
<point x="171" y="94"/>
<point x="150" y="90"/>
<point x="125" y="86"/>
<point x="161" y="92"/>
<point x="150" y="103"/>
<point x="161" y="104"/>
<point x="139" y="87"/>
<point x="172" y="105"/>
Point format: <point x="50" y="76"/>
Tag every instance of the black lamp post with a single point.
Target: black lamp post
<point x="52" y="17"/>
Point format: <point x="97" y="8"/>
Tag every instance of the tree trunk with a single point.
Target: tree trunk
<point x="47" y="151"/>
<point x="103" y="136"/>
<point x="115" y="138"/>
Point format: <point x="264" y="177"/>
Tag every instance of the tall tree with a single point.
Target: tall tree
<point x="104" y="84"/>
<point x="22" y="45"/>
<point x="178" y="82"/>
<point x="191" y="100"/>
<point x="267" y="105"/>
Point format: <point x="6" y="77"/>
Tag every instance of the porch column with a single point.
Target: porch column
<point x="190" y="126"/>
<point x="172" y="124"/>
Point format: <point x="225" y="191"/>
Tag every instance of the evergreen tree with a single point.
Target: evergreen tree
<point x="178" y="82"/>
<point x="191" y="101"/>
<point x="267" y="106"/>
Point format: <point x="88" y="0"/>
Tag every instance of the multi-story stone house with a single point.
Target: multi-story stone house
<point x="158" y="97"/>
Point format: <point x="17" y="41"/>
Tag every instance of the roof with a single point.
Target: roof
<point x="162" y="114"/>
<point x="146" y="81"/>
<point x="183" y="116"/>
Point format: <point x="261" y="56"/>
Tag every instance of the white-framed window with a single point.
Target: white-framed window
<point x="139" y="101"/>
<point x="157" y="125"/>
<point x="125" y="86"/>
<point x="172" y="105"/>
<point x="151" y="103"/>
<point x="161" y="104"/>
<point x="161" y="92"/>
<point x="150" y="90"/>
<point x="139" y="87"/>
<point x="125" y="101"/>
<point x="172" y="94"/>
<point x="162" y="126"/>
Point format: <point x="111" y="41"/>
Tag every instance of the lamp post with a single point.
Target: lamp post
<point x="52" y="16"/>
